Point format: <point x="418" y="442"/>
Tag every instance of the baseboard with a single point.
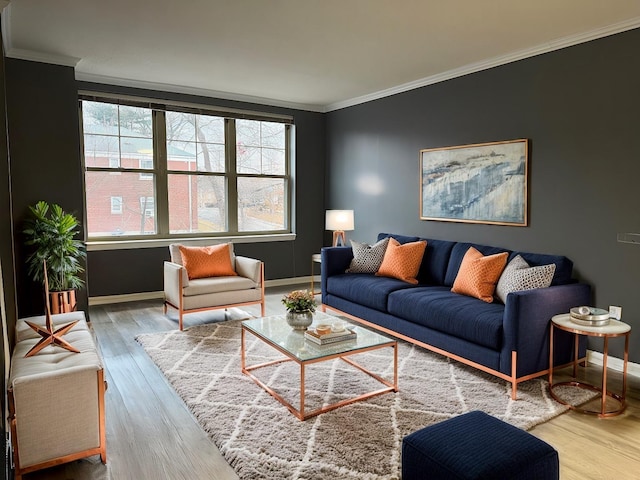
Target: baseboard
<point x="128" y="297"/>
<point x="279" y="282"/>
<point x="135" y="297"/>
<point x="613" y="363"/>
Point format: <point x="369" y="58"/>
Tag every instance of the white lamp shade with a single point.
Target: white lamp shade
<point x="339" y="220"/>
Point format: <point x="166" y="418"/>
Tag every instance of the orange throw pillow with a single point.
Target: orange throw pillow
<point x="402" y="261"/>
<point x="213" y="261"/>
<point x="478" y="274"/>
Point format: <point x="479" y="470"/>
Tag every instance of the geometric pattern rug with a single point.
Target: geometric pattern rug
<point x="261" y="439"/>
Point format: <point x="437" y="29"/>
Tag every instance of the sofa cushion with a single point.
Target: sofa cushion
<point x="434" y="262"/>
<point x="457" y="254"/>
<point x="440" y="309"/>
<point x="518" y="276"/>
<point x="402" y="261"/>
<point x="367" y="258"/>
<point x="564" y="266"/>
<point x="364" y="288"/>
<point x="204" y="286"/>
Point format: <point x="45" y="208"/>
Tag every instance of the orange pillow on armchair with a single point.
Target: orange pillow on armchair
<point x="202" y="262"/>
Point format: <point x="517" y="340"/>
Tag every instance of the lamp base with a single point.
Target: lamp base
<point x="339" y="238"/>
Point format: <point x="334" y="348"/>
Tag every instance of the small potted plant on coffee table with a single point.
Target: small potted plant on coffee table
<point x="300" y="307"/>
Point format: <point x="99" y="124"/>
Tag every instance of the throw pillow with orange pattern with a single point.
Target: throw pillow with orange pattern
<point x="478" y="274"/>
<point x="213" y="261"/>
<point x="402" y="261"/>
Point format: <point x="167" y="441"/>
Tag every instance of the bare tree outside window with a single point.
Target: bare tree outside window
<point x="260" y="148"/>
<point x="197" y="201"/>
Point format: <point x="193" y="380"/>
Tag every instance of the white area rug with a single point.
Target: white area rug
<point x="261" y="439"/>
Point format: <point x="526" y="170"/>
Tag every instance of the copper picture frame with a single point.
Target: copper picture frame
<point x="479" y="183"/>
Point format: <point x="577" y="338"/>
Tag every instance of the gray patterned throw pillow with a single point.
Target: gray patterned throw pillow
<point x="367" y="258"/>
<point x="518" y="275"/>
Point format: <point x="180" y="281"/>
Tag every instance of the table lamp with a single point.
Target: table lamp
<point x="339" y="221"/>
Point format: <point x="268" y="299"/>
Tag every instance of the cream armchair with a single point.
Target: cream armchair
<point x="197" y="295"/>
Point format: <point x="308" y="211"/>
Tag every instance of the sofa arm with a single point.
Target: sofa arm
<point x="527" y="316"/>
<point x="249" y="268"/>
<point x="172" y="274"/>
<point x="334" y="261"/>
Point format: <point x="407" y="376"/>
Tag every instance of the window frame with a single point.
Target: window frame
<point x="160" y="173"/>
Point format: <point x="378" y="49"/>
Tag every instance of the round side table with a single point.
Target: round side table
<point x="612" y="330"/>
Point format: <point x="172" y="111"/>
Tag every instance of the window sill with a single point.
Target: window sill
<point x="93" y="246"/>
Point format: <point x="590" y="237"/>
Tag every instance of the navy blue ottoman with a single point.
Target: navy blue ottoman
<point x="477" y="446"/>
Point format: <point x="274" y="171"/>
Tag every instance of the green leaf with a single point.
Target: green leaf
<point x="51" y="232"/>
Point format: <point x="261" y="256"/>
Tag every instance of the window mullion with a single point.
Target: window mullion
<point x="232" y="175"/>
<point x="160" y="169"/>
<point x="289" y="183"/>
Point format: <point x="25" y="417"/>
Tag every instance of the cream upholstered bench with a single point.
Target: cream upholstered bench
<point x="56" y="398"/>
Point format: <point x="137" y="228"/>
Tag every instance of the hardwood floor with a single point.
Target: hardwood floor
<point x="152" y="435"/>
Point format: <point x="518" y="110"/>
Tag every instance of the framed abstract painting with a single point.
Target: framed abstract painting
<point x="480" y="183"/>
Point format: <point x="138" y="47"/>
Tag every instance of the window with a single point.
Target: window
<point x="147" y="207"/>
<point x="146" y="164"/>
<point x="184" y="172"/>
<point x="116" y="205"/>
<point x="122" y="136"/>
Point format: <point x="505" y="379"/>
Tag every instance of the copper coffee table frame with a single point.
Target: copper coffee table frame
<point x="301" y="413"/>
<point x="562" y="322"/>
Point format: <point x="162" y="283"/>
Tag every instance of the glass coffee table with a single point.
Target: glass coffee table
<point x="275" y="332"/>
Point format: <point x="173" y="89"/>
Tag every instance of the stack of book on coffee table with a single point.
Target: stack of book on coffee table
<point x="331" y="337"/>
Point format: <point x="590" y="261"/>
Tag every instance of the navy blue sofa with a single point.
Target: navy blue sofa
<point x="510" y="341"/>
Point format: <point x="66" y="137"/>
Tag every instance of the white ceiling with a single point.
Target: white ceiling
<point x="312" y="54"/>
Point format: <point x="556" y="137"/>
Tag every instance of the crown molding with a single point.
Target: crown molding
<point x="6" y="26"/>
<point x="492" y="62"/>
<point x="203" y="92"/>
<point x="41" y="57"/>
<point x="32" y="55"/>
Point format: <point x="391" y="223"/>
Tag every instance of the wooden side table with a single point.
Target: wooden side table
<point x="612" y="330"/>
<point x="315" y="258"/>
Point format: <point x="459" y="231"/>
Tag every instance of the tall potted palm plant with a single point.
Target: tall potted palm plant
<point x="52" y="233"/>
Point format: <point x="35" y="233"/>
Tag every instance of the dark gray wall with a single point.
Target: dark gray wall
<point x="44" y="139"/>
<point x="579" y="108"/>
<point x="46" y="164"/>
<point x="6" y="257"/>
